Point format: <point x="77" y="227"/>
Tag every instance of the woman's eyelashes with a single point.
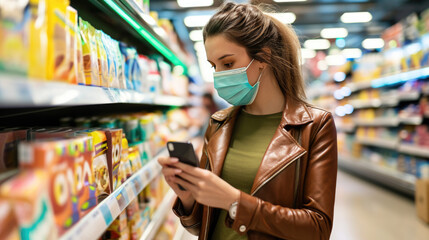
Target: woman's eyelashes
<point x="228" y="65"/>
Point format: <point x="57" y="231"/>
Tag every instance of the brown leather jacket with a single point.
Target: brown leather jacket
<point x="294" y="190"/>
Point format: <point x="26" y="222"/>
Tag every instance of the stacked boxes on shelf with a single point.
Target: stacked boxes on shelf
<point x="75" y="168"/>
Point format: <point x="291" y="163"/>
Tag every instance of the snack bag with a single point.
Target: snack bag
<point x="90" y="53"/>
<point x="102" y="59"/>
<point x="58" y="60"/>
<point x="114" y="151"/>
<point x="9" y="148"/>
<point x="119" y="64"/>
<point x="29" y="195"/>
<point x="106" y="41"/>
<point x="14" y="40"/>
<point x="79" y="68"/>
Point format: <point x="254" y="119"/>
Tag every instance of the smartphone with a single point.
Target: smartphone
<point x="184" y="152"/>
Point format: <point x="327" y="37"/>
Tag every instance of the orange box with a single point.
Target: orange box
<point x="422" y="199"/>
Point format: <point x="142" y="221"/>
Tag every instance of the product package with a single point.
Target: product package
<point x="71" y="58"/>
<point x="9" y="228"/>
<point x="112" y="78"/>
<point x="114" y="152"/>
<point x="29" y="195"/>
<point x="135" y="159"/>
<point x="119" y="65"/>
<point x="9" y="140"/>
<point x="102" y="59"/>
<point x="100" y="166"/>
<point x="63" y="161"/>
<point x="125" y="167"/>
<point x="14" y="40"/>
<point x="38" y="56"/>
<point x="89" y="53"/>
<point x="118" y="229"/>
<point x="134" y="220"/>
<point x="58" y="60"/>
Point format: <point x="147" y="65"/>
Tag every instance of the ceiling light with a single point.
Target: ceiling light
<point x="308" y="53"/>
<point x="334" y="33"/>
<point x="317" y="44"/>
<point x="373" y="43"/>
<point x="194" y="3"/>
<point x="352" y="53"/>
<point x="196" y="35"/>
<point x="289" y="1"/>
<point x="286" y="18"/>
<point x="336" y="60"/>
<point x="339" y="76"/>
<point x="356" y="17"/>
<point x="197" y="21"/>
<point x="322" y="66"/>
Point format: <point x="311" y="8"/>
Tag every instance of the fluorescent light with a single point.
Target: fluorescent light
<point x="334" y="33"/>
<point x="286" y="18"/>
<point x="307" y="53"/>
<point x="197" y="21"/>
<point x="317" y="44"/>
<point x="335" y="60"/>
<point x="373" y="43"/>
<point x="356" y="17"/>
<point x="196" y="35"/>
<point x="352" y="53"/>
<point x="289" y="1"/>
<point x="194" y="3"/>
<point x="322" y="66"/>
<point x="339" y="77"/>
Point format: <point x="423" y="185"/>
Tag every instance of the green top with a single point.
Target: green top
<point x="249" y="141"/>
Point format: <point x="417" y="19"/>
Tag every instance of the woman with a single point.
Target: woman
<point x="269" y="163"/>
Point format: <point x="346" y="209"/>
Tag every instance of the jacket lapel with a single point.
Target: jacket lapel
<point x="283" y="148"/>
<point x="218" y="145"/>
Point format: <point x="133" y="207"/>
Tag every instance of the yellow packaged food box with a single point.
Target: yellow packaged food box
<point x="71" y="44"/>
<point x="57" y="68"/>
<point x="38" y="56"/>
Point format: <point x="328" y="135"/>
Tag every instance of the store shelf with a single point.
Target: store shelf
<point x="374" y="103"/>
<point x="402" y="182"/>
<point x="180" y="231"/>
<point x="134" y="23"/>
<point x="409" y="96"/>
<point x="416" y="120"/>
<point x="414" y="150"/>
<point x="348" y="128"/>
<point x="378" y="122"/>
<point x="93" y="225"/>
<point x="158" y="217"/>
<point x="354" y="87"/>
<point x="315" y="92"/>
<point x="400" y="78"/>
<point x="17" y="91"/>
<point x="383" y="143"/>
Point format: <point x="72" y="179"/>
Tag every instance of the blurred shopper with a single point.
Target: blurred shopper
<point x="269" y="163"/>
<point x="209" y="103"/>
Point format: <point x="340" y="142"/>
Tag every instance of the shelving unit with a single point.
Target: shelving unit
<point x="93" y="225"/>
<point x="16" y="91"/>
<point x="378" y="122"/>
<point x="163" y="209"/>
<point x="414" y="150"/>
<point x="120" y="18"/>
<point x="383" y="143"/>
<point x="402" y="182"/>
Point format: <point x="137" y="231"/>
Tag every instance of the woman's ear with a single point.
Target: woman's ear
<point x="266" y="55"/>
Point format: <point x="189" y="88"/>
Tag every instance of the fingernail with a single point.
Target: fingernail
<point x="178" y="171"/>
<point x="174" y="159"/>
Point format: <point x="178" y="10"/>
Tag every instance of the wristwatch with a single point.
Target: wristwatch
<point x="233" y="210"/>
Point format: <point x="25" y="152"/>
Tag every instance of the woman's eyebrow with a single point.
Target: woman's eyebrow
<point x="224" y="56"/>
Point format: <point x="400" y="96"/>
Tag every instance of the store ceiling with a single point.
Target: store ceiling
<point x="311" y="16"/>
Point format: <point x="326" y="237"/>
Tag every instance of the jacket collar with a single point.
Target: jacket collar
<point x="295" y="114"/>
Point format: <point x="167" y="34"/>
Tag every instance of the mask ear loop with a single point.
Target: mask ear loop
<point x="259" y="78"/>
<point x="249" y="64"/>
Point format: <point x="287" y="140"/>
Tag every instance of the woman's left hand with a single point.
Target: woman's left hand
<point x="206" y="187"/>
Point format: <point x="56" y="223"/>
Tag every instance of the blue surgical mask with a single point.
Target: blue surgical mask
<point x="234" y="87"/>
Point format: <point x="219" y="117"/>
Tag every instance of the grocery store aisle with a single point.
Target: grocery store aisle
<point x="366" y="211"/>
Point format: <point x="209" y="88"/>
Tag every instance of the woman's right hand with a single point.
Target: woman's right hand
<point x="169" y="173"/>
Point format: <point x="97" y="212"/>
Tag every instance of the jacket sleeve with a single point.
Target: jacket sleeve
<point x="192" y="222"/>
<point x="314" y="219"/>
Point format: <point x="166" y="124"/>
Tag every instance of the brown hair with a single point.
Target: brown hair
<point x="248" y="26"/>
